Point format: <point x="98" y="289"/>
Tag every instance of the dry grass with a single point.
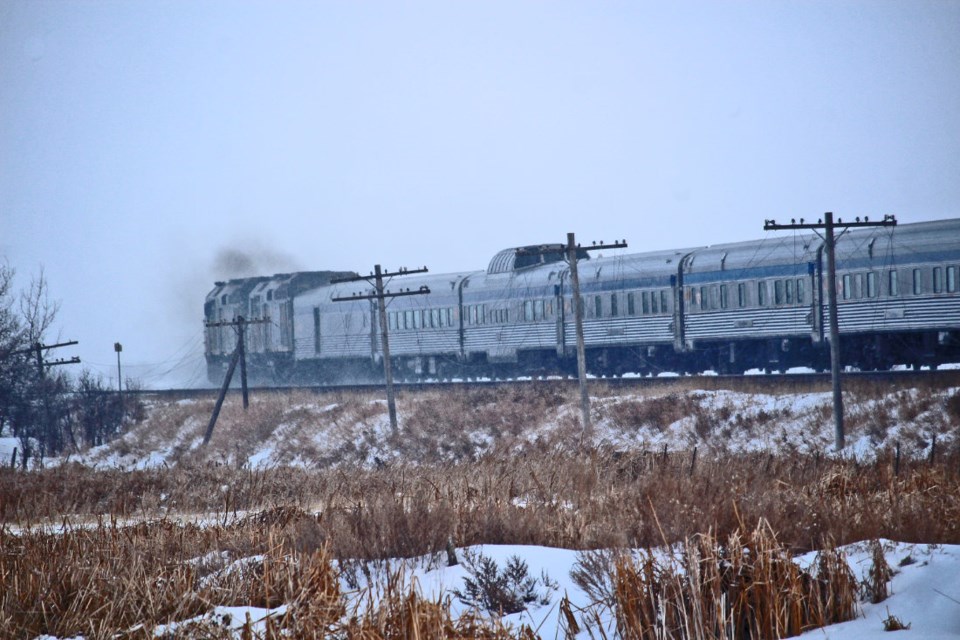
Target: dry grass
<point x="469" y="468"/>
<point x="746" y="586"/>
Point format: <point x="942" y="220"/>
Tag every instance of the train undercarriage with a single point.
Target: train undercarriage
<point x="866" y="352"/>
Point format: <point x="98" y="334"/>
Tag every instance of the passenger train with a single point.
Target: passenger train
<point x="726" y="308"/>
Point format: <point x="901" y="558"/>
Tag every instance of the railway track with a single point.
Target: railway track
<point x="765" y="383"/>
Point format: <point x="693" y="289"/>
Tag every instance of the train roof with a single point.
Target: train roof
<point x="774" y="250"/>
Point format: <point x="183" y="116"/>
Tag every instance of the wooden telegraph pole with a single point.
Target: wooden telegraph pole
<point x="571" y="249"/>
<point x="239" y="355"/>
<point x="375" y="279"/>
<point x="829" y="243"/>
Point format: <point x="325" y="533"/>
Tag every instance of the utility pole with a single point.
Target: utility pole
<point x="239" y="355"/>
<point x="38" y="349"/>
<point x="571" y="249"/>
<point x="118" y="348"/>
<point x="376" y="281"/>
<point x="829" y="241"/>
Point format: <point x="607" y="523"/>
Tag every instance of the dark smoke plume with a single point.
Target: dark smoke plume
<point x="242" y="262"/>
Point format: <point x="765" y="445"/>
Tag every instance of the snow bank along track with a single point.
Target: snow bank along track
<point x="770" y="383"/>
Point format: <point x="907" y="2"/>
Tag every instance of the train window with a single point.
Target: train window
<point x="654" y="302"/>
<point x="893" y="283"/>
<point x="723" y="296"/>
<point x="847" y="286"/>
<point x="704" y="298"/>
<point x="528" y="310"/>
<point x="538" y="309"/>
<point x="917" y="282"/>
<point x="663" y="302"/>
<point x="631" y="305"/>
<point x="741" y="294"/>
<point x="435" y="318"/>
<point x="417" y="319"/>
<point x="391" y="320"/>
<point x="408" y="319"/>
<point x="778" y="292"/>
<point x="613" y="305"/>
<point x="799" y="290"/>
<point x="761" y="294"/>
<point x="938" y="280"/>
<point x="788" y="291"/>
<point x="951" y="279"/>
<point x="871" y="284"/>
<point x="645" y="302"/>
<point x="597" y="307"/>
<point x="449" y="316"/>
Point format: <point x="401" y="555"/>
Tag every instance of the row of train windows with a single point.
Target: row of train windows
<point x="421" y="318"/>
<point x="860" y="285"/>
<point x="762" y="293"/>
<point x="786" y="291"/>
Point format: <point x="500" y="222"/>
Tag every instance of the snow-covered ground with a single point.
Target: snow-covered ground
<point x="318" y="432"/>
<point x="314" y="432"/>
<point x="925" y="592"/>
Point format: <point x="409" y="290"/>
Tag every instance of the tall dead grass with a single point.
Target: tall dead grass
<point x="744" y="586"/>
<point x="579" y="499"/>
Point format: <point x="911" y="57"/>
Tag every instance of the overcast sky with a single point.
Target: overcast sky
<point x="146" y="148"/>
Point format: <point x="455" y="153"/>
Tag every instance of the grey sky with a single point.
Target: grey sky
<point x="140" y="141"/>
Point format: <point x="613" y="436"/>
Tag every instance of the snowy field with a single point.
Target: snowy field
<point x="307" y="432"/>
<point x="925" y="592"/>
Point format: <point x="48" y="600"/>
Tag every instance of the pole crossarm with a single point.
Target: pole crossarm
<point x="386" y="294"/>
<point x="240" y="320"/>
<point x="772" y="225"/>
<point x="560" y="248"/>
<point x="44" y="347"/>
<point x="402" y="271"/>
<point x="54" y="363"/>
